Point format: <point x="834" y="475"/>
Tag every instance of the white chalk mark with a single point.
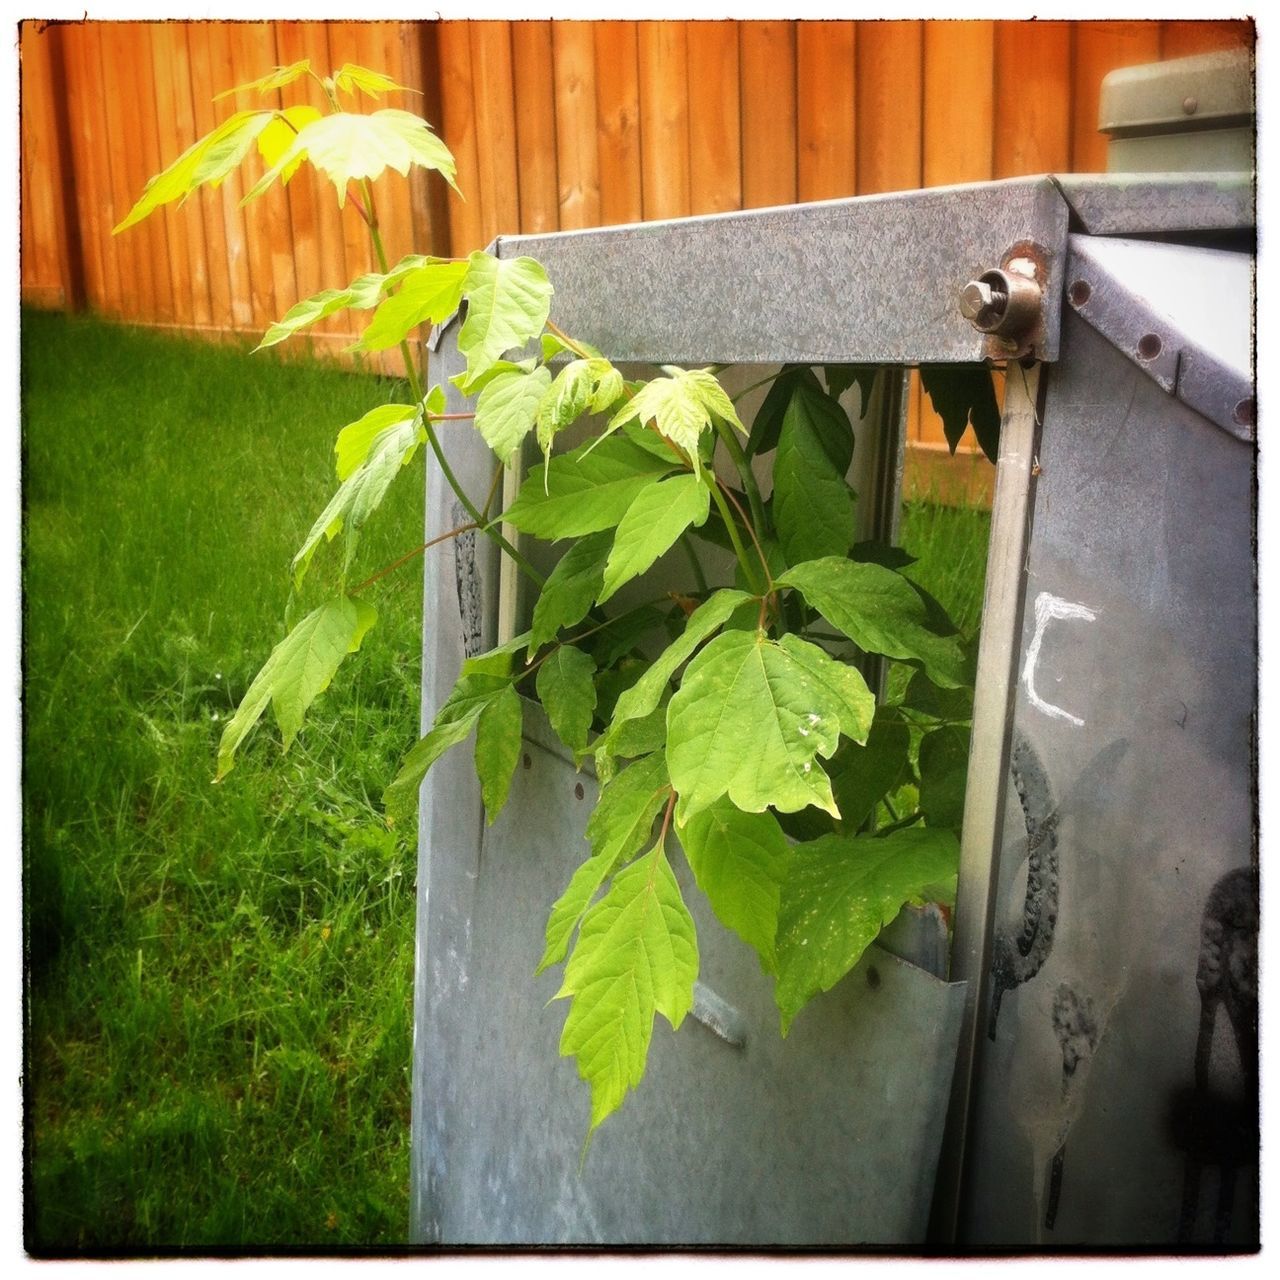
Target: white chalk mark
<point x="1049" y="607"/>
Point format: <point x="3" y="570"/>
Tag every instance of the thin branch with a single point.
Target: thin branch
<point x="417" y="551"/>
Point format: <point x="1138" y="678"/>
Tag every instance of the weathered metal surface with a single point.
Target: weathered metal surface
<point x="1117" y="1099"/>
<point x="1129" y="204"/>
<point x="871" y="280"/>
<point x="735" y="1136"/>
<point x="1183" y="315"/>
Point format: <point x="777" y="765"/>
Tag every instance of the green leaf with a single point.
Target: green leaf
<point x="942" y="704"/>
<point x="474" y="691"/>
<point x="647" y="692"/>
<point x="208" y="160"/>
<point x="361" y="492"/>
<point x="879" y="611"/>
<point x="498" y="747"/>
<point x="812" y="501"/>
<point x="363" y="292"/>
<point x="653" y="523"/>
<point x="840" y="377"/>
<point x="570" y="589"/>
<point x="429" y="295"/>
<point x="297" y="672"/>
<point x="506" y="409"/>
<point x="944" y="771"/>
<point x="356" y="438"/>
<point x="278" y="135"/>
<point x="350" y="147"/>
<point x="620" y="636"/>
<point x="508" y="301"/>
<point x="680" y="406"/>
<point x="839" y="893"/>
<point x="751" y="718"/>
<point x="585" y="490"/>
<point x="276" y="78"/>
<point x="739" y="861"/>
<point x="350" y="77"/>
<point x="961" y="394"/>
<point x="636" y="954"/>
<point x="767" y="425"/>
<point x="581" y="385"/>
<point x="618" y="828"/>
<point x="470" y="386"/>
<point x="567" y="691"/>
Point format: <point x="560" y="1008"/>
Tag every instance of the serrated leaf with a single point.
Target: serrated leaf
<point x="964" y="394"/>
<point x="879" y="611"/>
<point x="653" y="523"/>
<point x="680" y="406"/>
<point x="567" y="691"/>
<point x="297" y="672"/>
<point x="813" y="506"/>
<point x="508" y="301"/>
<point x="361" y="492"/>
<point x="570" y="589"/>
<point x="739" y="861"/>
<point x="839" y="893"/>
<point x="349" y="147"/>
<point x="207" y="160"/>
<point x="276" y="78"/>
<point x="767" y="425"/>
<point x="363" y="292"/>
<point x="498" y="747"/>
<point x="585" y="490"/>
<point x="507" y="407"/>
<point x="580" y="386"/>
<point x="470" y="386"/>
<point x="647" y="692"/>
<point x="350" y="77"/>
<point x="840" y="377"/>
<point x="278" y="135"/>
<point x="944" y="770"/>
<point x="751" y="719"/>
<point x="619" y="827"/>
<point x="453" y="723"/>
<point x="428" y="295"/>
<point x="942" y="704"/>
<point x="641" y="736"/>
<point x="636" y="954"/>
<point x="621" y="635"/>
<point x="355" y="439"/>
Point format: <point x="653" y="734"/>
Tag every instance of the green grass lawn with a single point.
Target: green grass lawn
<point x="219" y="977"/>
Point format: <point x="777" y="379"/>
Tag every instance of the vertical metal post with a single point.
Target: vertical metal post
<point x="988" y="763"/>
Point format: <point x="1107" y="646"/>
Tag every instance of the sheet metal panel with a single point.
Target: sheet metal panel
<point x="872" y="279"/>
<point x="1117" y="1103"/>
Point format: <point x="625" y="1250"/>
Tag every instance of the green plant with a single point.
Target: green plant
<point x="752" y="733"/>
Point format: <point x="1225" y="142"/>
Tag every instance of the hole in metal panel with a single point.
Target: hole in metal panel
<point x="1149" y="346"/>
<point x="1079" y="293"/>
<point x="1243" y="412"/>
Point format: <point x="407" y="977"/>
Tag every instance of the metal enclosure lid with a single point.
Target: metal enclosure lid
<point x="1176" y="312"/>
<point x="1210" y="90"/>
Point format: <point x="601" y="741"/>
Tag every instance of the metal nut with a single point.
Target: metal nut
<point x="1003" y="303"/>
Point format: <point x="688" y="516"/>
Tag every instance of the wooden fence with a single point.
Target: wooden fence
<point x="555" y="125"/>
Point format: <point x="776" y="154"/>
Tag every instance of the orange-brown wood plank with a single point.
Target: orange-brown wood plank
<point x="826" y="157"/>
<point x="459" y="132"/>
<point x="43" y="221"/>
<point x="493" y="79"/>
<point x="890" y="98"/>
<point x="88" y="160"/>
<point x="147" y="132"/>
<point x="425" y="197"/>
<point x="959" y="102"/>
<point x="573" y="45"/>
<point x="1185" y="39"/>
<point x="175" y="121"/>
<point x="768" y="53"/>
<point x="618" y="115"/>
<point x="715" y="117"/>
<point x="1032" y="98"/>
<point x="664" y="119"/>
<point x="535" y="116"/>
<point x="1102" y="47"/>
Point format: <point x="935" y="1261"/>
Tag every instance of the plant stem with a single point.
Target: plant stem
<point x="908" y="821"/>
<point x="764" y="563"/>
<point x="749" y="485"/>
<point x="748" y="566"/>
<point x="552" y="327"/>
<point x="695" y="564"/>
<point x="415" y="385"/>
<point x="409" y="555"/>
<point x="746" y="391"/>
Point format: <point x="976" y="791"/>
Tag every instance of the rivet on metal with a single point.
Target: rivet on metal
<point x="1190" y="106"/>
<point x="1243" y="412"/>
<point x="578" y="791"/>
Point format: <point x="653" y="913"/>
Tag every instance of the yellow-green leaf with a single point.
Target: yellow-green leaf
<point x="276" y="78"/>
<point x="428" y="295"/>
<point x="508" y="301"/>
<point x="350" y="77"/>
<point x="278" y="135"/>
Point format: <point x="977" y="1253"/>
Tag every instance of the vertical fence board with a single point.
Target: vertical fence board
<point x="84" y="111"/>
<point x="890" y="93"/>
<point x="618" y="116"/>
<point x="768" y="52"/>
<point x="715" y="117"/>
<point x="459" y="131"/>
<point x="1103" y="47"/>
<point x="1032" y="98"/>
<point x="147" y="131"/>
<point x="535" y="113"/>
<point x="1185" y="39"/>
<point x="826" y="158"/>
<point x="573" y="44"/>
<point x="44" y="248"/>
<point x="664" y="119"/>
<point x="493" y="80"/>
